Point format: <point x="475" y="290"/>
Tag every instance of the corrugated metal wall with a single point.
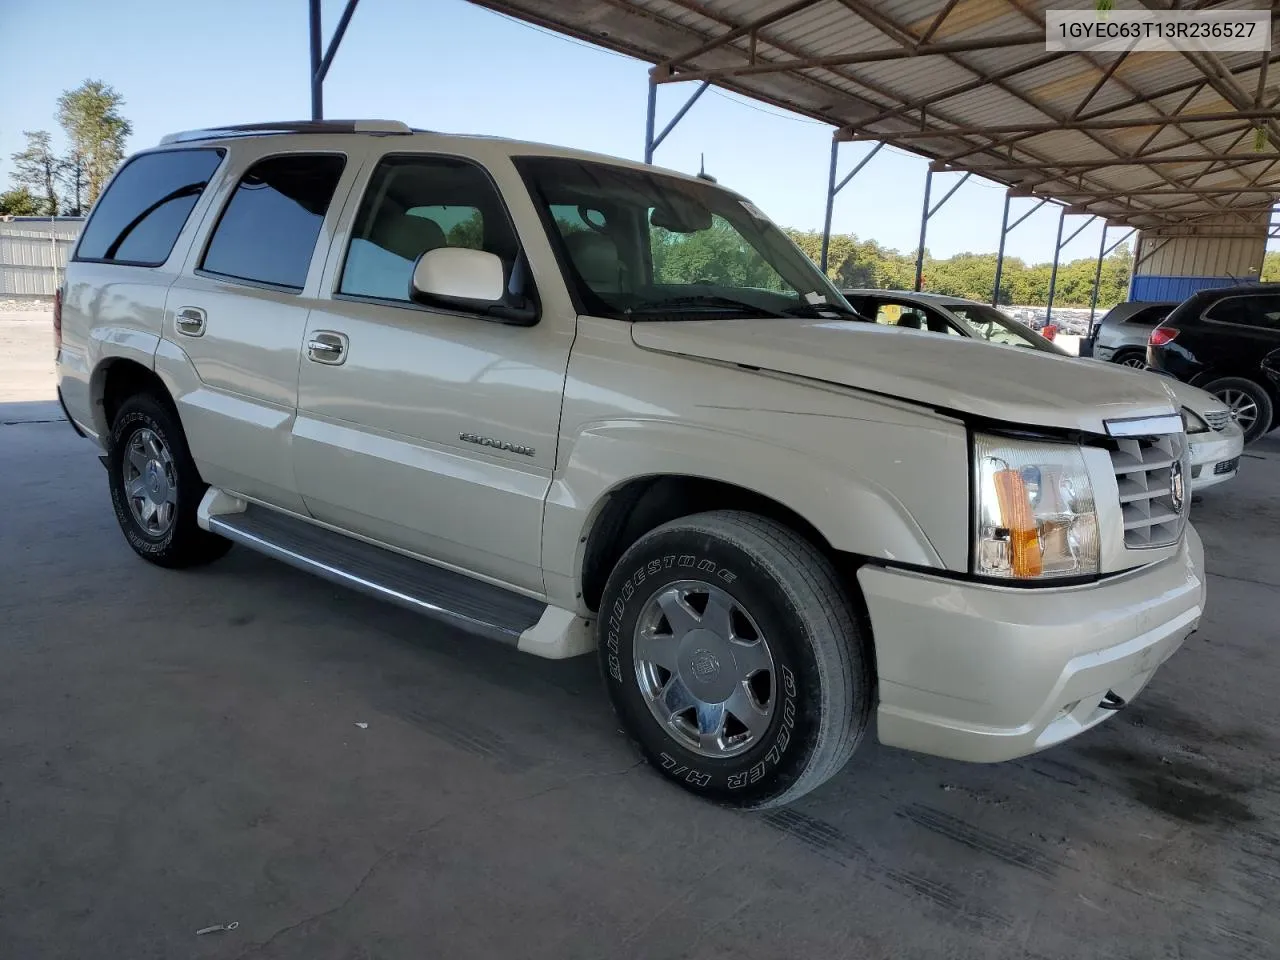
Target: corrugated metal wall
<point x="33" y="254"/>
<point x="1175" y="262"/>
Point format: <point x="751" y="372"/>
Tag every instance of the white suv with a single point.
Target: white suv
<point x="575" y="403"/>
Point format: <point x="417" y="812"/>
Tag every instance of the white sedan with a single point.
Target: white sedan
<point x="1215" y="439"/>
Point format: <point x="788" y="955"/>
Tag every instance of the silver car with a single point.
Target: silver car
<point x="1121" y="336"/>
<point x="1215" y="439"/>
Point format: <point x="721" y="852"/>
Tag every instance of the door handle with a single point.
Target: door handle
<point x="190" y="321"/>
<point x="326" y="346"/>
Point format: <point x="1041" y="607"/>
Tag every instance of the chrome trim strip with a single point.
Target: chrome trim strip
<point x="344" y="578"/>
<point x="1145" y="426"/>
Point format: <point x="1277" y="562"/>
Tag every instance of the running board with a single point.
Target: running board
<point x="449" y="597"/>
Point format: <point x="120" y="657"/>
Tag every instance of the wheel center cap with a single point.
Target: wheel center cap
<point x="157" y="484"/>
<point x="707" y="666"/>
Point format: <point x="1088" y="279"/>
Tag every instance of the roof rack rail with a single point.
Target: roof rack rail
<point x="290" y="126"/>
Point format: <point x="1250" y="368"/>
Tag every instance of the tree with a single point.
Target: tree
<point x="1271" y="266"/>
<point x="37" y="168"/>
<point x="71" y="176"/>
<point x="19" y="202"/>
<point x="90" y="115"/>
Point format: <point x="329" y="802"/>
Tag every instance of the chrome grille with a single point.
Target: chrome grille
<point x="1151" y="478"/>
<point x="1218" y="419"/>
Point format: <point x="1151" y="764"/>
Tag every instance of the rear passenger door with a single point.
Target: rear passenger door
<point x="431" y="430"/>
<point x="1242" y="331"/>
<point x="235" y="318"/>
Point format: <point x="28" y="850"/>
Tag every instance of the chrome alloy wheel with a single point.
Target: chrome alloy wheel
<point x="150" y="482"/>
<point x="1137" y="362"/>
<point x="1244" y="409"/>
<point x="704" y="669"/>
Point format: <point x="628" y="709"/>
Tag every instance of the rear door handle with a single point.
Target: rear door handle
<point x="327" y="346"/>
<point x="190" y="321"/>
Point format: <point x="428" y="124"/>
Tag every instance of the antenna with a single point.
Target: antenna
<point x="702" y="169"/>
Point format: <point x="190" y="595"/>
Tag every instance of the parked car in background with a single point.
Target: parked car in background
<point x="1215" y="440"/>
<point x="1121" y="335"/>
<point x="506" y="385"/>
<point x="1221" y="340"/>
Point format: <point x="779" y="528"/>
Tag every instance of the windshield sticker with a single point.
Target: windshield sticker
<point x="814" y="297"/>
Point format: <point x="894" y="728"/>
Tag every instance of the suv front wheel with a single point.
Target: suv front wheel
<point x="733" y="658"/>
<point x="155" y="486"/>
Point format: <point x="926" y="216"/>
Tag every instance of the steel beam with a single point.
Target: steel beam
<point x="833" y="188"/>
<point x="1053" y="273"/>
<point x="865" y="56"/>
<point x="336" y="40"/>
<point x="1034" y="128"/>
<point x="740" y="31"/>
<point x="1005" y="229"/>
<point x="651" y="142"/>
<point x="317" y="82"/>
<point x="926" y="212"/>
<point x="943" y="167"/>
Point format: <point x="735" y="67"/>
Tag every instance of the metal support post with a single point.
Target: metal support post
<point x="926" y="214"/>
<point x="833" y="188"/>
<point x="317" y="83"/>
<point x="322" y="58"/>
<point x="924" y="226"/>
<point x="651" y="143"/>
<point x="1097" y="277"/>
<point x="1004" y="232"/>
<point x="1007" y="228"/>
<point x="1057" y="252"/>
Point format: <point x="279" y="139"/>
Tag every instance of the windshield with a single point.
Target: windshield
<point x="988" y="323"/>
<point x="639" y="245"/>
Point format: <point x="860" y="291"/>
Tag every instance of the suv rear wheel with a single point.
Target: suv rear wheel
<point x="733" y="658"/>
<point x="155" y="487"/>
<point x="1249" y="402"/>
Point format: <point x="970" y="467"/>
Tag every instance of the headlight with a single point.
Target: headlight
<point x="1036" y="517"/>
<point x="1193" y="423"/>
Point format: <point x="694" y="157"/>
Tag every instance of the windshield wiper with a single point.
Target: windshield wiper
<point x="712" y="301"/>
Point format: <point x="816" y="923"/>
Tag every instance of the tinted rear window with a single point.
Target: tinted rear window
<point x="1150" y="316"/>
<point x="268" y="229"/>
<point x="138" y="219"/>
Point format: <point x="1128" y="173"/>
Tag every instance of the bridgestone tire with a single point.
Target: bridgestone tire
<point x="823" y="686"/>
<point x="183" y="544"/>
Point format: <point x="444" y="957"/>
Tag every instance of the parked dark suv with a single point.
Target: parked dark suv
<point x="1221" y="340"/>
<point x="1121" y="336"/>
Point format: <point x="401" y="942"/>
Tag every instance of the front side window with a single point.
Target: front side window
<point x="637" y="245"/>
<point x="138" y="219"/>
<point x="418" y="203"/>
<point x="268" y="230"/>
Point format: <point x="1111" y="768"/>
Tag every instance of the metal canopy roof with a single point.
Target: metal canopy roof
<point x="1147" y="139"/>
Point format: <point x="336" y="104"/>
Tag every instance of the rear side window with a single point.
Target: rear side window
<point x="1149" y="316"/>
<point x="268" y="230"/>
<point x="418" y="203"/>
<point x="1261" y="312"/>
<point x="138" y="219"/>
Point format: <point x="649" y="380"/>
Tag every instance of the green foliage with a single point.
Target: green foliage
<point x="19" y="202"/>
<point x="1271" y="266"/>
<point x="96" y="132"/>
<point x="864" y="263"/>
<point x="718" y="255"/>
<point x="467" y="233"/>
<point x="37" y="168"/>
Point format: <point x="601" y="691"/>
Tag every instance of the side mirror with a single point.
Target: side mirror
<point x="459" y="278"/>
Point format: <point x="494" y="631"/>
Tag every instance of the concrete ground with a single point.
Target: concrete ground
<point x="183" y="749"/>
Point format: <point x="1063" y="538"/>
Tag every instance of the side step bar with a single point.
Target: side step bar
<point x="446" y="596"/>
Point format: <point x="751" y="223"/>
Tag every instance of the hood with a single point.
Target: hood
<point x="1011" y="384"/>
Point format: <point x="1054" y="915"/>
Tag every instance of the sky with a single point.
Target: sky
<point x="448" y="65"/>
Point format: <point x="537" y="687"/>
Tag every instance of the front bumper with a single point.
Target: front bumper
<point x="1209" y="450"/>
<point x="985" y="673"/>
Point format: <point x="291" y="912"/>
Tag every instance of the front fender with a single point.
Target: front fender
<point x="855" y="513"/>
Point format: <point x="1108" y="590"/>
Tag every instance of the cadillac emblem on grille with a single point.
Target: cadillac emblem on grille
<point x="1177" y="492"/>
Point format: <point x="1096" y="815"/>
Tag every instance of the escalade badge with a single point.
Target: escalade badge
<point x="497" y="444"/>
<point x="1176" y="491"/>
